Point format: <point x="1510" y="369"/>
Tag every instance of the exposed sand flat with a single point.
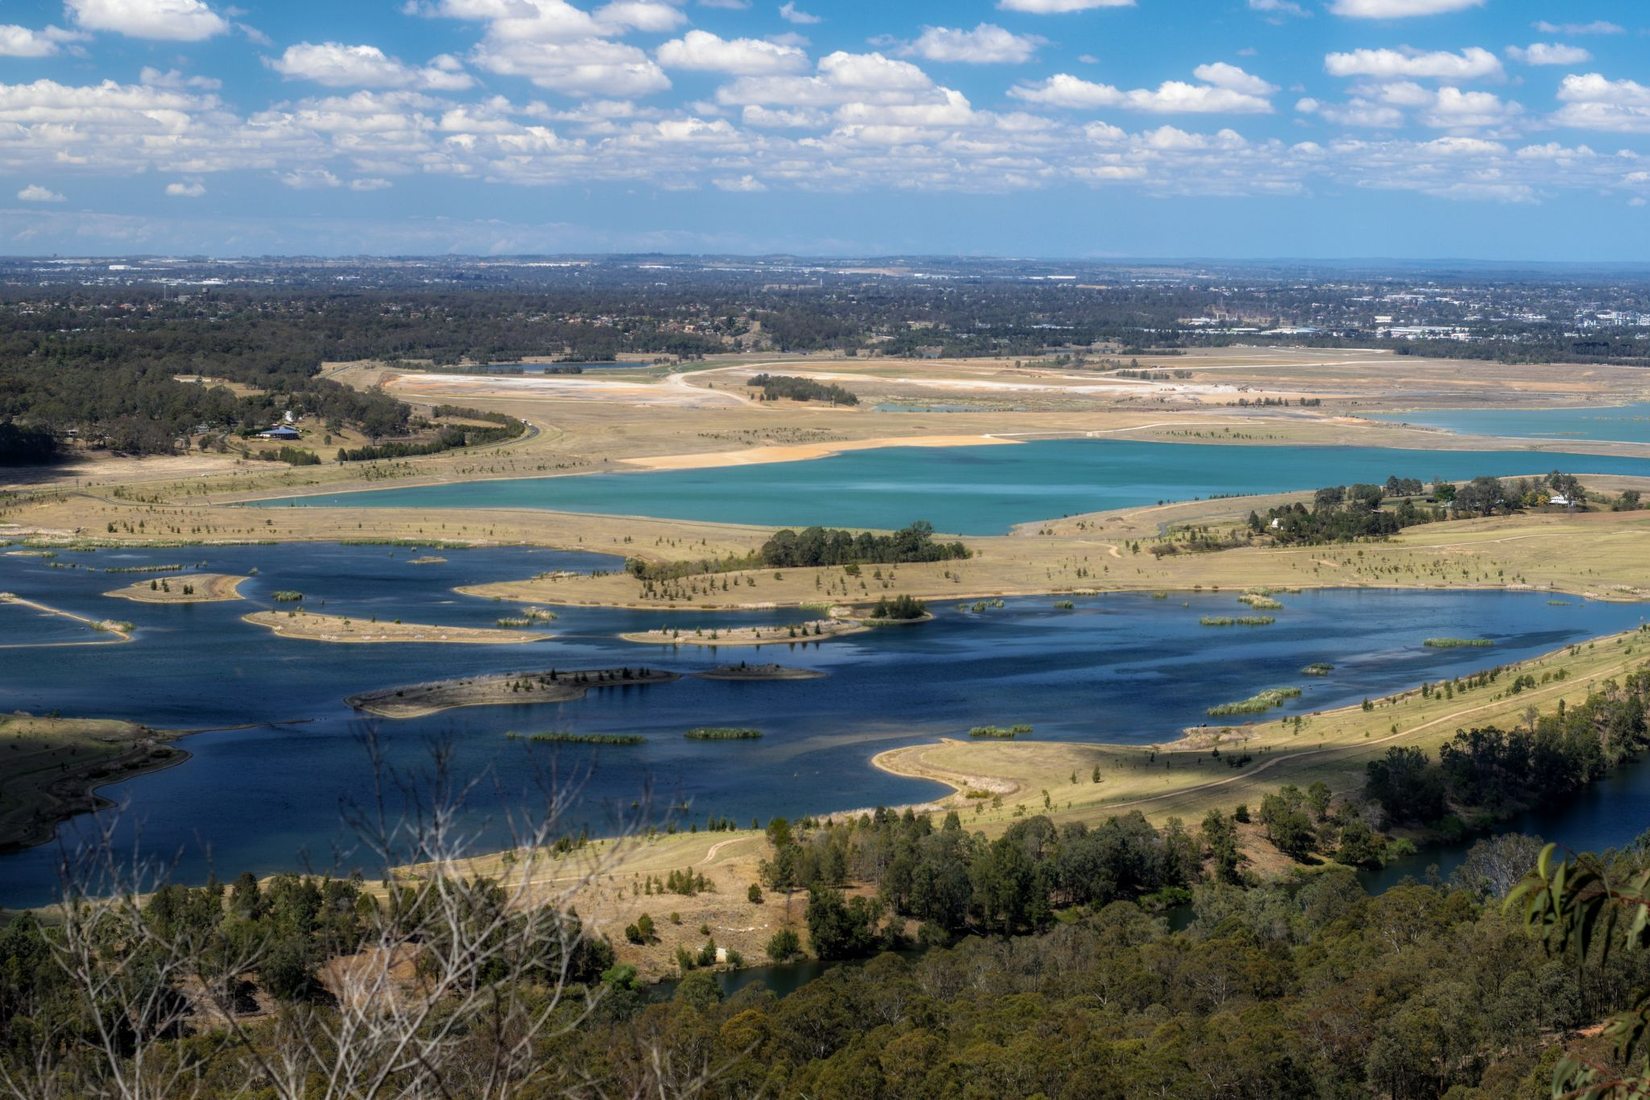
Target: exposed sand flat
<point x="565" y="387"/>
<point x="203" y="588"/>
<point x="336" y="628"/>
<point x="757" y="456"/>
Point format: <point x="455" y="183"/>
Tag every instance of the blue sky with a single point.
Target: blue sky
<point x="1492" y="129"/>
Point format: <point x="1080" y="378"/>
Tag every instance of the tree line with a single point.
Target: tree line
<point x="816" y="546"/>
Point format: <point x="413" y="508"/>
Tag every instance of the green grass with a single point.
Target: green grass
<point x="999" y="733"/>
<point x="1260" y="601"/>
<point x="1458" y="643"/>
<point x="287" y="596"/>
<point x="722" y="733"/>
<point x="1237" y="620"/>
<point x="1318" y="668"/>
<point x="1259" y="703"/>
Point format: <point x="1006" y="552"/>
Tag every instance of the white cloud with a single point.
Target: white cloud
<point x="18" y="41"/>
<point x="745" y="183"/>
<point x="840" y="78"/>
<point x="339" y="66"/>
<point x="1170" y="97"/>
<point x="706" y="52"/>
<point x="172" y="20"/>
<point x="36" y="193"/>
<point x="1549" y="53"/>
<point x="1060" y="7"/>
<point x="1598" y="26"/>
<point x="1593" y="102"/>
<point x="1398" y="9"/>
<point x="649" y="16"/>
<point x="591" y="66"/>
<point x="1278" y="8"/>
<point x="193" y="189"/>
<point x="986" y="44"/>
<point x="790" y="13"/>
<point x="1473" y="63"/>
<point x="176" y="81"/>
<point x="1223" y="75"/>
<point x="310" y="179"/>
<point x="370" y="184"/>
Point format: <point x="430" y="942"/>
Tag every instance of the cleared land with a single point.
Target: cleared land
<point x="185" y="588"/>
<point x="310" y="627"/>
<point x="53" y="767"/>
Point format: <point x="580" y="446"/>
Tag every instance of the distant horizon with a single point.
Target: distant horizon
<point x="1392" y="262"/>
<point x="1496" y="130"/>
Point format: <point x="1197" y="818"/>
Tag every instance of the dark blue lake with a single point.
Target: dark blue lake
<point x="1117" y="668"/>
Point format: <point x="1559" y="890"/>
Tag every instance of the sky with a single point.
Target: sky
<point x="1462" y="129"/>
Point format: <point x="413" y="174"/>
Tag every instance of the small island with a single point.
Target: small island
<point x="311" y="627"/>
<point x="189" y="588"/>
<point x="503" y="689"/>
<point x="815" y="630"/>
<point x="744" y="671"/>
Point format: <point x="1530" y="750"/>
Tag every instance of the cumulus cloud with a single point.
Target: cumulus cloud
<point x="170" y="20"/>
<point x="340" y="66"/>
<point x="1473" y="63"/>
<point x="563" y="48"/>
<point x="1237" y="92"/>
<point x="1398" y="9"/>
<point x="790" y="13"/>
<point x="986" y="44"/>
<point x="1593" y="102"/>
<point x="1060" y="7"/>
<point x="36" y="193"/>
<point x="1549" y="53"/>
<point x="193" y="189"/>
<point x="18" y="41"/>
<point x="706" y="52"/>
<point x="650" y="16"/>
<point x="745" y="183"/>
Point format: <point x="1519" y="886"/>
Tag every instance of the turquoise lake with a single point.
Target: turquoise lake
<point x="265" y="788"/>
<point x="1618" y="424"/>
<point x="970" y="490"/>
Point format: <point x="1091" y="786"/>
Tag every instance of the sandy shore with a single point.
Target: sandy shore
<point x="204" y="588"/>
<point x="757" y="456"/>
<point x="336" y="628"/>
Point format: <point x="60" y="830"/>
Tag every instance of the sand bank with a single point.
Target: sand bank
<point x="337" y="628"/>
<point x="201" y="588"/>
<point x="795" y="452"/>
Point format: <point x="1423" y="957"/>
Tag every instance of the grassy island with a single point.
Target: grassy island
<point x="722" y="733"/>
<point x="564" y="737"/>
<point x="504" y="689"/>
<point x="744" y="671"/>
<point x="1237" y="620"/>
<point x="999" y="733"/>
<point x="189" y="588"/>
<point x="1458" y="643"/>
<point x="815" y="630"/>
<point x="1258" y="703"/>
